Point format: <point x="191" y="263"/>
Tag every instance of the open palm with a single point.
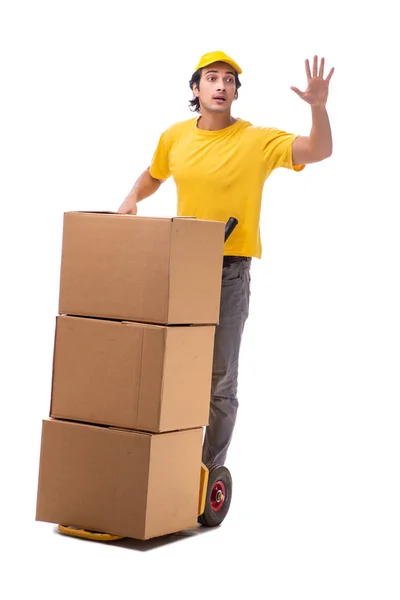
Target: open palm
<point x="316" y="93"/>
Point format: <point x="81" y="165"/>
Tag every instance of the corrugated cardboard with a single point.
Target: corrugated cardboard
<point x="132" y="375"/>
<point x="120" y="482"/>
<point x="154" y="270"/>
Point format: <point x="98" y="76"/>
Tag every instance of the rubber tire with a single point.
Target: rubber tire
<point x="210" y="517"/>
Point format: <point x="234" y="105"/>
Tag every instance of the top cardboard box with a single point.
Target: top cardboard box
<point x="153" y="270"/>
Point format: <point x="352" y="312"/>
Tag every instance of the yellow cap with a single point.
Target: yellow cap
<point x="217" y="56"/>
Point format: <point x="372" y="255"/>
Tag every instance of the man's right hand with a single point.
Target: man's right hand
<point x="129" y="206"/>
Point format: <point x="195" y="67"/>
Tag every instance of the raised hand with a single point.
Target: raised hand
<point x="316" y="93"/>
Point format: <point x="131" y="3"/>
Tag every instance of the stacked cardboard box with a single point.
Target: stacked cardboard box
<point x="134" y="337"/>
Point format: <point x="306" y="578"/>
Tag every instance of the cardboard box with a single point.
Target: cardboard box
<point x="154" y="270"/>
<point x="120" y="482"/>
<point x="132" y="375"/>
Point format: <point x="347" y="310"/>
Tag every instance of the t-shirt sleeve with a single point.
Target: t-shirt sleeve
<point x="277" y="149"/>
<point x="159" y="166"/>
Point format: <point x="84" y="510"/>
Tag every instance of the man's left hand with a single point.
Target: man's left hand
<point x="316" y="93"/>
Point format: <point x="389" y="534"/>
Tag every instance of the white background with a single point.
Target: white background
<point x="86" y="90"/>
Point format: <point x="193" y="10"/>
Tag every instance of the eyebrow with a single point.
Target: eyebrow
<point x="215" y="71"/>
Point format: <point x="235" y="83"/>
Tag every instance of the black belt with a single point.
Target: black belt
<point x="234" y="259"/>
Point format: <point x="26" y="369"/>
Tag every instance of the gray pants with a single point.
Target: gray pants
<point x="234" y="310"/>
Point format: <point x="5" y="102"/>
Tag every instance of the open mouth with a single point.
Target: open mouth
<point x="219" y="99"/>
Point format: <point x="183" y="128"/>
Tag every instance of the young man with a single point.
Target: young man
<point x="220" y="164"/>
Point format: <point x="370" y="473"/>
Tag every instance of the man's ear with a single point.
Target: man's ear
<point x="195" y="90"/>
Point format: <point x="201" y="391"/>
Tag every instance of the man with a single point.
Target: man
<point x="220" y="164"/>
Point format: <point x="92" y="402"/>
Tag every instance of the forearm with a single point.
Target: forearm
<point x="144" y="187"/>
<point x="320" y="138"/>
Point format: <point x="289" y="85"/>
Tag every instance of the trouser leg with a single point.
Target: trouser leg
<point x="234" y="310"/>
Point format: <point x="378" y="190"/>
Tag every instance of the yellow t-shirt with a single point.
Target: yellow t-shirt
<point x="221" y="174"/>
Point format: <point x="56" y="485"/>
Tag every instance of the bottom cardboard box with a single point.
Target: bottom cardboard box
<point x="123" y="482"/>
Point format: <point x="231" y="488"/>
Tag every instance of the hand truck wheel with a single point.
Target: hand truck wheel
<point x="218" y="498"/>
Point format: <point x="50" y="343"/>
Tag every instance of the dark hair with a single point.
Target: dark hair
<point x="194" y="104"/>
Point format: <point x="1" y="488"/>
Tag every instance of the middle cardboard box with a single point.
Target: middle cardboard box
<point x="132" y="375"/>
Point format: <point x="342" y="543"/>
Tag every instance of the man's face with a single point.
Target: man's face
<point x="217" y="88"/>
